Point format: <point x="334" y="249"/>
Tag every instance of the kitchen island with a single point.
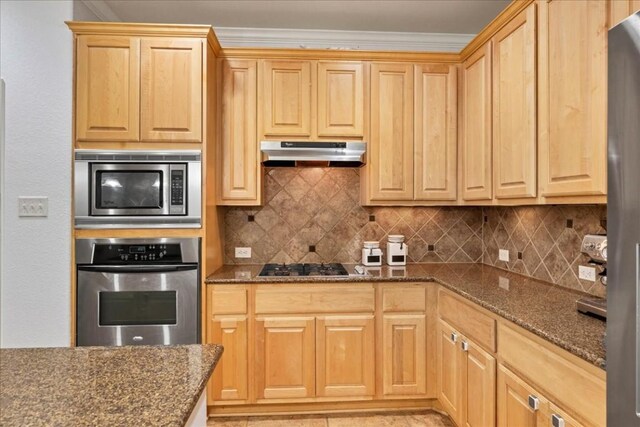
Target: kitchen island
<point x="104" y="386"/>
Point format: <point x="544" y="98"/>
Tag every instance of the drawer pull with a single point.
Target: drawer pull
<point x="465" y="346"/>
<point x="454" y="337"/>
<point x="557" y="421"/>
<point x="534" y="402"/>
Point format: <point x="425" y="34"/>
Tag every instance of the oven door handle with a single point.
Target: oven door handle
<point x="138" y="268"/>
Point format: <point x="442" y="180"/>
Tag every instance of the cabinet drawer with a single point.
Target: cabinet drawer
<point x="301" y="299"/>
<point x="404" y="298"/>
<point x="476" y="325"/>
<point x="566" y="380"/>
<point x="228" y="300"/>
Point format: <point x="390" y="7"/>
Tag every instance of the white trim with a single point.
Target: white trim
<point x="327" y="39"/>
<point x="101" y="9"/>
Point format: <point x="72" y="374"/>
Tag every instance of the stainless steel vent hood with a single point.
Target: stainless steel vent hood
<point x="312" y="153"/>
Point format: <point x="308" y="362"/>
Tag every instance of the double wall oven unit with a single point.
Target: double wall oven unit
<point x="138" y="291"/>
<point x="138" y="189"/>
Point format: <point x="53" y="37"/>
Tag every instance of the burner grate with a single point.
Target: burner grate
<point x="286" y="270"/>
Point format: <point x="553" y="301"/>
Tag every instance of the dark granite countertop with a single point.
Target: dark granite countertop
<point x="103" y="386"/>
<point x="547" y="310"/>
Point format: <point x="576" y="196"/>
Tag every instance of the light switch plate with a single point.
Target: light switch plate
<point x="503" y="255"/>
<point x="587" y="273"/>
<point x="33" y="206"/>
<point x="243" y="252"/>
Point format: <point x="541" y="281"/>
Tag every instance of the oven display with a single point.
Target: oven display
<point x="137" y="249"/>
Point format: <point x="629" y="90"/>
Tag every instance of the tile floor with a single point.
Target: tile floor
<point x="402" y="419"/>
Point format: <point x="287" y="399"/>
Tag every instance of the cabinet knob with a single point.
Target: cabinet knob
<point x="465" y="346"/>
<point x="534" y="402"/>
<point x="454" y="337"/>
<point x="557" y="421"/>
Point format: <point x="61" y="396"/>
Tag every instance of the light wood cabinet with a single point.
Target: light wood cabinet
<point x="449" y="371"/>
<point x="239" y="176"/>
<point x="403" y="354"/>
<point x="435" y="134"/>
<point x="171" y="90"/>
<point x="476" y="165"/>
<point x="621" y="9"/>
<point x="287" y="97"/>
<point x="519" y="404"/>
<point x="230" y="377"/>
<point x="514" y="107"/>
<point x="572" y="92"/>
<point x="285" y="357"/>
<point x="390" y="167"/>
<point x="107" y="88"/>
<point x="345" y="356"/>
<point x="340" y="99"/>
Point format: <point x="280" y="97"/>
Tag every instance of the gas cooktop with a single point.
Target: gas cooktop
<point x="332" y="269"/>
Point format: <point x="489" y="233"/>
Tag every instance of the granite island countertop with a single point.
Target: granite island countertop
<point x="103" y="386"/>
<point x="547" y="310"/>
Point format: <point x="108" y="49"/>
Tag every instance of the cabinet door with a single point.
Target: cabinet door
<point x="171" y="90"/>
<point x="449" y="371"/>
<point x="230" y="377"/>
<point x="514" y="398"/>
<point x="479" y="386"/>
<point x="285" y="357"/>
<point x="340" y="99"/>
<point x="514" y="107"/>
<point x="572" y="97"/>
<point x="621" y="9"/>
<point x="557" y="417"/>
<point x="239" y="163"/>
<point x="107" y="88"/>
<point x="390" y="167"/>
<point x="403" y="354"/>
<point x="286" y="91"/>
<point x="435" y="140"/>
<point x="345" y="356"/>
<point x="476" y="125"/>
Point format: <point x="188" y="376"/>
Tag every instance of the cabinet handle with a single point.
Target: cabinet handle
<point x="557" y="421"/>
<point x="465" y="346"/>
<point x="534" y="403"/>
<point x="454" y="337"/>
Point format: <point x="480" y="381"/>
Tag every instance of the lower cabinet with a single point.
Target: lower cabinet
<point x="230" y="377"/>
<point x="404" y="354"/>
<point x="466" y="379"/>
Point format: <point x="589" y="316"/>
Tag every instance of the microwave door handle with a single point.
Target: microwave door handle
<point x="138" y="268"/>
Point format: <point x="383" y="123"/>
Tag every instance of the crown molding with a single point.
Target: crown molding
<point x="231" y="37"/>
<point x="102" y="10"/>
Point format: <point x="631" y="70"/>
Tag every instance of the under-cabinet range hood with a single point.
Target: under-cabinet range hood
<point x="312" y="154"/>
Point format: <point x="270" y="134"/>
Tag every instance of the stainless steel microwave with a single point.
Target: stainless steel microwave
<point x="138" y="189"/>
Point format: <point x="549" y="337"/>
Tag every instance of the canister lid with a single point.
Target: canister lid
<point x="396" y="238"/>
<point x="371" y="244"/>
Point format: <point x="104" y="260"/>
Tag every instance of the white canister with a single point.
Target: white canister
<point x="396" y="250"/>
<point x="371" y="254"/>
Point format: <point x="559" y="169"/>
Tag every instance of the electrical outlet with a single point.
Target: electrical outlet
<point x="243" y="252"/>
<point x="587" y="273"/>
<point x="503" y="283"/>
<point x="503" y="255"/>
<point x="33" y="206"/>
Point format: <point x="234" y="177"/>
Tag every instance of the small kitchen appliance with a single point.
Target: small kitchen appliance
<point x="396" y="250"/>
<point x="293" y="270"/>
<point x="595" y="246"/>
<point x="371" y="254"/>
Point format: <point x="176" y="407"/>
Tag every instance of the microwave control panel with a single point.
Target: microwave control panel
<point x="177" y="190"/>
<point x="109" y="254"/>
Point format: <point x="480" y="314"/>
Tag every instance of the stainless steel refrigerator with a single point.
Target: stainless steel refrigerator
<point x="623" y="231"/>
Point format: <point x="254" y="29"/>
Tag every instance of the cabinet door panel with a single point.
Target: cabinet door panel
<point x="559" y="414"/>
<point x="345" y="356"/>
<point x="390" y="166"/>
<point x="449" y="371"/>
<point x="287" y="89"/>
<point x="573" y="97"/>
<point x="480" y="385"/>
<point x="404" y="359"/>
<point x="171" y="90"/>
<point x="107" y="88"/>
<point x="513" y="402"/>
<point x="239" y="163"/>
<point x="514" y="107"/>
<point x="340" y="99"/>
<point x="285" y="357"/>
<point x="435" y="141"/>
<point x="230" y="377"/>
<point x="476" y="125"/>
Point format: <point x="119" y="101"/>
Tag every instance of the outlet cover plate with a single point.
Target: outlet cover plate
<point x="243" y="252"/>
<point x="503" y="255"/>
<point x="587" y="273"/>
<point x="33" y="206"/>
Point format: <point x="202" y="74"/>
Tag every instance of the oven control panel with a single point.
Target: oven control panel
<point x="137" y="253"/>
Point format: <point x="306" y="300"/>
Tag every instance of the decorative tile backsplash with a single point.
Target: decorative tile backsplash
<point x="314" y="215"/>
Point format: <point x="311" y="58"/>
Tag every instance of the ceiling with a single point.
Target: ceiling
<point x="418" y="16"/>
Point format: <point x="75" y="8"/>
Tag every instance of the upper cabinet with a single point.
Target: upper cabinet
<point x="514" y="107"/>
<point x="107" y="88"/>
<point x="340" y="99"/>
<point x="572" y="91"/>
<point x="138" y="89"/>
<point x="476" y="126"/>
<point x="171" y="90"/>
<point x="621" y="9"/>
